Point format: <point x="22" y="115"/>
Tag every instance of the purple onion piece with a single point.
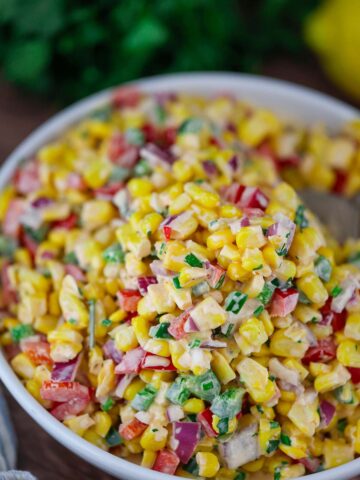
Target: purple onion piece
<point x="110" y="351"/>
<point x="168" y="220"/>
<point x="154" y="154"/>
<point x="234" y="162"/>
<point x="186" y="436"/>
<point x="144" y="282"/>
<point x="41" y="202"/>
<point x="213" y="344"/>
<point x="124" y="382"/>
<point x="327" y="412"/>
<point x="190" y="325"/>
<point x="210" y="168"/>
<point x="65" y="371"/>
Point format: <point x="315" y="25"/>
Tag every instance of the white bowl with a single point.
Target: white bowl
<point x="287" y="100"/>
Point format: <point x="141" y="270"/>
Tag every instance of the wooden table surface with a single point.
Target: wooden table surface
<point x="19" y="115"/>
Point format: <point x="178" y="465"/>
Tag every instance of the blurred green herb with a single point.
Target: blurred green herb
<point x="69" y="48"/>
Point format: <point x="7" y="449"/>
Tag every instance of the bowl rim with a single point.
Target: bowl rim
<point x="206" y="82"/>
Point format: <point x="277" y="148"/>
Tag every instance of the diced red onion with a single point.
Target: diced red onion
<point x="144" y="282"/>
<point x="253" y="212"/>
<point x="155" y="361"/>
<point x="213" y="344"/>
<point x="157" y="268"/>
<point x="242" y="448"/>
<point x="124" y="382"/>
<point x="190" y="325"/>
<point x="339" y="302"/>
<point x="46" y="255"/>
<point x="155" y="155"/>
<point x="327" y="412"/>
<point x="174" y="413"/>
<point x="311" y="464"/>
<point x="168" y="221"/>
<point x="66" y="371"/>
<point x="283" y="228"/>
<point x="131" y="361"/>
<point x="210" y="168"/>
<point x="75" y="272"/>
<point x="186" y="436"/>
<point x="41" y="202"/>
<point x="236" y="225"/>
<point x="110" y="351"/>
<point x="234" y="162"/>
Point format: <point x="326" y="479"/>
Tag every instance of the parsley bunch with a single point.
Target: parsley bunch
<point x="68" y="49"/>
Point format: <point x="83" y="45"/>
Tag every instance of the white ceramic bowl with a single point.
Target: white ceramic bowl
<point x="287" y="100"/>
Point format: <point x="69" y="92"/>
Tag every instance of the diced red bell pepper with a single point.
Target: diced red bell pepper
<point x="155" y="362"/>
<point x="355" y="374"/>
<point x="216" y="276"/>
<point x="75" y="272"/>
<point x="151" y="134"/>
<point x="68" y="223"/>
<point x="70" y="408"/>
<point x="284" y="302"/>
<point x="126" y="96"/>
<point x="108" y="191"/>
<point x="63" y="391"/>
<point x="11" y="350"/>
<point x="11" y="224"/>
<point x="128" y="300"/>
<point x="205" y="418"/>
<point x="177" y="325"/>
<point x="131" y="361"/>
<point x="329" y="317"/>
<point x="26" y="178"/>
<point x="133" y="429"/>
<point x="233" y="192"/>
<point x="121" y="153"/>
<point x="340" y="181"/>
<point x="38" y="351"/>
<point x="8" y="293"/>
<point x="169" y="136"/>
<point x="166" y="462"/>
<point x="323" y="352"/>
<point x="167" y="232"/>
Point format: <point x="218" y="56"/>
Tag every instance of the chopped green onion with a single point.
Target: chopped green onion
<point x="195" y="343"/>
<point x="118" y="174"/>
<point x="107" y="405"/>
<point x="159" y="114"/>
<point x="223" y="426"/>
<point x="38" y="234"/>
<point x="191" y="125"/>
<point x="205" y="386"/>
<point x="228" y="404"/>
<point x="342" y="424"/>
<point x="113" y="438"/>
<point x="144" y="398"/>
<point x="303" y="298"/>
<point x="336" y="291"/>
<point x="323" y="268"/>
<point x="71" y="258"/>
<point x="106" y="322"/>
<point x="285" y="439"/>
<point x="267" y="292"/>
<point x="259" y="267"/>
<point x="142" y="168"/>
<point x="176" y="282"/>
<point x="135" y="136"/>
<point x="240" y="476"/>
<point x="7" y="246"/>
<point x="192" y="467"/>
<point x="114" y="254"/>
<point x="178" y="392"/>
<point x="258" y="310"/>
<point x="21" y="331"/>
<point x="235" y="301"/>
<point x="160" y="330"/>
<point x="300" y="219"/>
<point x="193" y="260"/>
<point x="272" y="446"/>
<point x="274" y="424"/>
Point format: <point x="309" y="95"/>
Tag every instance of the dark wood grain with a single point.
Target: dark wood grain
<point x="19" y="115"/>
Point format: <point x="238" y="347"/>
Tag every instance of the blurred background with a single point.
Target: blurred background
<point x="53" y="52"/>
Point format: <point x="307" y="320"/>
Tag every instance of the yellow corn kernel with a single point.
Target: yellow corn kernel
<point x="271" y="257"/>
<point x="139" y="187"/>
<point x="313" y="288"/>
<point x="252" y="259"/>
<point x="150" y="223"/>
<point x="91" y="436"/>
<point x="191" y="276"/>
<point x="125" y="338"/>
<point x="268" y="431"/>
<point x="202" y="196"/>
<point x="281" y="344"/>
<point x="194" y="405"/>
<point x="96" y="213"/>
<point x="253" y="332"/>
<point x="220" y="238"/>
<point x="106" y="379"/>
<point x="304" y="413"/>
<point x="180" y="204"/>
<point x="148" y="458"/>
<point x="102" y="423"/>
<point x="225" y="474"/>
<point x="222" y="368"/>
<point x="307" y="314"/>
<point x="229" y="211"/>
<point x="228" y="253"/>
<point x="79" y="424"/>
<point x="154" y="439"/>
<point x="54" y="306"/>
<point x="305" y="245"/>
<point x="283" y="407"/>
<point x="250" y="237"/>
<point x="23" y="257"/>
<point x="157" y="347"/>
<point x="236" y="272"/>
<point x="266" y="320"/>
<point x="160" y="299"/>
<point x="348" y="353"/>
<point x="118" y="316"/>
<point x="329" y="381"/>
<point x="146" y="309"/>
<point x="134" y="387"/>
<point x="46" y="323"/>
<point x="296" y="365"/>
<point x="208" y="314"/>
<point x="34" y="278"/>
<point x="254" y="286"/>
<point x="182" y="171"/>
<point x="256" y="380"/>
<point x="286" y="271"/>
<point x="337" y="452"/>
<point x="254" y="466"/>
<point x="208" y="464"/>
<point x="352" y="327"/>
<point x="23" y="366"/>
<point x="6" y="195"/>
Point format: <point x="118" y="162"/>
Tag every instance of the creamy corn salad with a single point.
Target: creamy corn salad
<point x="168" y="297"/>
